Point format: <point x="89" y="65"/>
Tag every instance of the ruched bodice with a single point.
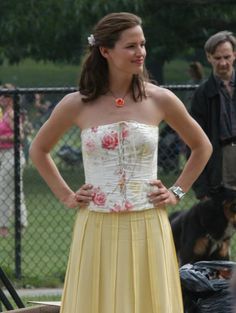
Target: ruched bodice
<point x="120" y="160"/>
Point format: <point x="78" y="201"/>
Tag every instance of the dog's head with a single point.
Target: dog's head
<point x="226" y="198"/>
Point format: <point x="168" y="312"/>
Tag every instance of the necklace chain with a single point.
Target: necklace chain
<point x="119" y="101"/>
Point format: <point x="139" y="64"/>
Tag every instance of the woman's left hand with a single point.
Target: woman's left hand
<point x="161" y="196"/>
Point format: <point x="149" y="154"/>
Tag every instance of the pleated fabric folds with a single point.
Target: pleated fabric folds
<point x="122" y="263"/>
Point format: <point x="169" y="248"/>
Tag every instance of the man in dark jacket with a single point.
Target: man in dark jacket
<point x="214" y="108"/>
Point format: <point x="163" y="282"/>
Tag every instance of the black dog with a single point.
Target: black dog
<point x="203" y="232"/>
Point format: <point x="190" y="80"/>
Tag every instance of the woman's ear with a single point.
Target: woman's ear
<point x="104" y="52"/>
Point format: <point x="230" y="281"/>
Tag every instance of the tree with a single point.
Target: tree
<point x="56" y="30"/>
<point x="43" y="30"/>
<point x="173" y="27"/>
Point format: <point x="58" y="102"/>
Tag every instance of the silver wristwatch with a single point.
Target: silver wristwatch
<point x="177" y="191"/>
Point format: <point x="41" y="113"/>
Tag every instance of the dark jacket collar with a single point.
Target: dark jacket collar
<point x="212" y="85"/>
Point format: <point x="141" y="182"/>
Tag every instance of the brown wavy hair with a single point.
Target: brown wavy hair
<point x="94" y="78"/>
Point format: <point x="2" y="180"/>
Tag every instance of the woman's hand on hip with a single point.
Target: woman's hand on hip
<point x="84" y="195"/>
<point x="79" y="199"/>
<point x="161" y="196"/>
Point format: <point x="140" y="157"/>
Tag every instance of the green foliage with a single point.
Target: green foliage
<point x="56" y="30"/>
<point x="44" y="30"/>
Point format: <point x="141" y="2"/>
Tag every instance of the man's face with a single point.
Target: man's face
<point x="222" y="60"/>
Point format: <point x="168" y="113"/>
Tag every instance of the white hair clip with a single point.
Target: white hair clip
<point x="91" y="40"/>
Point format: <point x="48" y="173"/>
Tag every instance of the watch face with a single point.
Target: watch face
<point x="177" y="191"/>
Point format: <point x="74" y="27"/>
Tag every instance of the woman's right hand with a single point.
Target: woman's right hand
<point x="81" y="198"/>
<point x="84" y="195"/>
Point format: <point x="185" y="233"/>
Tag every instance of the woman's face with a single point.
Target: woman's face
<point x="129" y="52"/>
<point x="5" y="101"/>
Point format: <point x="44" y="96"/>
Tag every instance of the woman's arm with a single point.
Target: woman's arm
<point x="62" y="118"/>
<point x="177" y="117"/>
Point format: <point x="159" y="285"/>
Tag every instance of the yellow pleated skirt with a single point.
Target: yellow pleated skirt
<point x="122" y="263"/>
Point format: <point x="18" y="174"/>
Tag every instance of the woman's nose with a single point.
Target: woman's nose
<point x="140" y="51"/>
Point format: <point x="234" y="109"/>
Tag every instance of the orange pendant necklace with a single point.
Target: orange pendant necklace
<point x="120" y="102"/>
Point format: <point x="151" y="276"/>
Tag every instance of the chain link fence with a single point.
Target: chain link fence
<point x="36" y="247"/>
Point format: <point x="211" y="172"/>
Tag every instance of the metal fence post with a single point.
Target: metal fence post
<point x="17" y="168"/>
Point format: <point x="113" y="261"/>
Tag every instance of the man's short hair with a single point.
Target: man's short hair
<point x="221" y="37"/>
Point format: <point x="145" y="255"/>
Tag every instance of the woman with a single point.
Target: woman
<point x="7" y="183"/>
<point x="122" y="256"/>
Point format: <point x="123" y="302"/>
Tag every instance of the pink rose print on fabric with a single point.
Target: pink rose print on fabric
<point x="98" y="197"/>
<point x="118" y="208"/>
<point x="128" y="205"/>
<point x="90" y="146"/>
<point x="124" y="133"/>
<point x="110" y="141"/>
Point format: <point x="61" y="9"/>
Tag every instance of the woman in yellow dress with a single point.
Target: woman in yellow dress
<point x="122" y="257"/>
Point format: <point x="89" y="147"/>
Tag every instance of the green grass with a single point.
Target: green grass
<point x="176" y="72"/>
<point x="28" y="299"/>
<point x="29" y="73"/>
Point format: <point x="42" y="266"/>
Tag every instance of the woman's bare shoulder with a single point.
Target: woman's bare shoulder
<point x="158" y="92"/>
<point x="67" y="109"/>
<point x="168" y="103"/>
<point x="73" y="99"/>
<point x="69" y="104"/>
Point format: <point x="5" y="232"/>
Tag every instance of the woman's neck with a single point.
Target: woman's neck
<point x="119" y="89"/>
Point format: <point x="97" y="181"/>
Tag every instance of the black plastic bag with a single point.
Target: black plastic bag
<point x="206" y="286"/>
<point x="70" y="155"/>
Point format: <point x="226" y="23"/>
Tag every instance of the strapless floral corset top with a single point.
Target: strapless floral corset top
<point x="120" y="160"/>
